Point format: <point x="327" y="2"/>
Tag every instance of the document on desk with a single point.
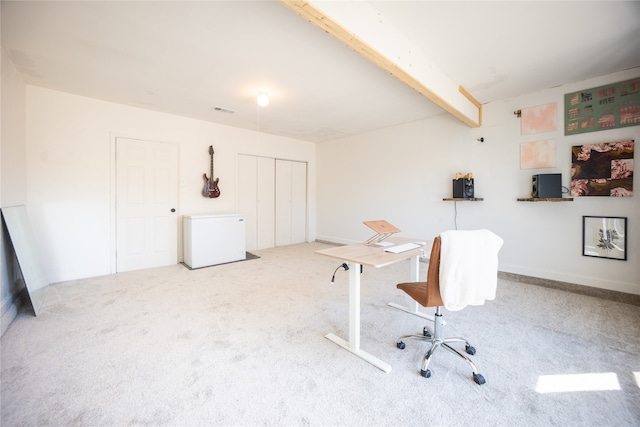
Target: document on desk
<point x="403" y="248"/>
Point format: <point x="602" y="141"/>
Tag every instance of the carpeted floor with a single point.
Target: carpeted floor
<point x="243" y="344"/>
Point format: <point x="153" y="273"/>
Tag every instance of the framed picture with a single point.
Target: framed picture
<point x="604" y="237"/>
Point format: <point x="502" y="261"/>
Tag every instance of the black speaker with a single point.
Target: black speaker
<point x="463" y="188"/>
<point x="547" y="185"/>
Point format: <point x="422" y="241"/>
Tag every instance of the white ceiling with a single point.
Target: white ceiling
<point x="187" y="58"/>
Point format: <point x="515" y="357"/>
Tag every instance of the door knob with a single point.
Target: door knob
<point x="173" y="210"/>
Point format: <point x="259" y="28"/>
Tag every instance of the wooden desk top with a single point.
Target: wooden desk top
<point x="375" y="256"/>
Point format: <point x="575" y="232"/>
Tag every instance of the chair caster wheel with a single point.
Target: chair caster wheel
<point x="470" y="350"/>
<point x="479" y="379"/>
<point x="400" y="345"/>
<point x="427" y="373"/>
<point x="426" y="333"/>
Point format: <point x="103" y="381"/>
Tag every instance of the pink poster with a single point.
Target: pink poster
<point x="543" y="118"/>
<point x="538" y="154"/>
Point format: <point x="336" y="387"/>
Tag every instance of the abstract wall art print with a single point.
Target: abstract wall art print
<point x="604" y="169"/>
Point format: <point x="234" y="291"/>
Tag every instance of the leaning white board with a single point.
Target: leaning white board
<point x="28" y="254"/>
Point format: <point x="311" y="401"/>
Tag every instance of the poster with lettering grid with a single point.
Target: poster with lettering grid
<point x="606" y="107"/>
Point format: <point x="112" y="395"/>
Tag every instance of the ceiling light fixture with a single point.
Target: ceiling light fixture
<point x="263" y="99"/>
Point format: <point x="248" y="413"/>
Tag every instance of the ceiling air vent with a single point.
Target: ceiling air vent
<point x="223" y="110"/>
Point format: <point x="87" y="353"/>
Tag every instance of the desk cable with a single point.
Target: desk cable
<point x="346" y="267"/>
<point x="343" y="265"/>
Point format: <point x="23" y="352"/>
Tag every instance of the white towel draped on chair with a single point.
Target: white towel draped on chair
<point x="468" y="267"/>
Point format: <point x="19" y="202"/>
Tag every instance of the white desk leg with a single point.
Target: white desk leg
<point x="353" y="345"/>
<point x="414" y="276"/>
<point x="354" y="307"/>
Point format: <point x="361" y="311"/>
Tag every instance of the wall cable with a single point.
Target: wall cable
<point x="455" y="215"/>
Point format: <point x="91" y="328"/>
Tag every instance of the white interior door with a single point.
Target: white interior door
<point x="146" y="202"/>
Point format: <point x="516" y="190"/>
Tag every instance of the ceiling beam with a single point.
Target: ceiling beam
<point x="359" y="26"/>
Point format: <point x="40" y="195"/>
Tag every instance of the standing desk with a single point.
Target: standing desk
<point x="361" y="254"/>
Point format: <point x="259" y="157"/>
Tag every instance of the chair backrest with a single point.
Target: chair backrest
<point x="468" y="267"/>
<point x="462" y="271"/>
<point x="433" y="276"/>
<point x="427" y="293"/>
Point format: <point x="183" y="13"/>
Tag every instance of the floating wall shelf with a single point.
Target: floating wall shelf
<point x="461" y="199"/>
<point x="546" y="199"/>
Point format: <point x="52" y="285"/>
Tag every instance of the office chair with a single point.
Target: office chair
<point x="429" y="293"/>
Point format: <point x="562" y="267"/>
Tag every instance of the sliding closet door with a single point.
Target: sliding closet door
<point x="273" y="196"/>
<point x="283" y="202"/>
<point x="266" y="202"/>
<point x="256" y="199"/>
<point x="291" y="202"/>
<point x="298" y="202"/>
<point x="248" y="197"/>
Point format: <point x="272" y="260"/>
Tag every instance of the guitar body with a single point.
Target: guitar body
<point x="211" y="189"/>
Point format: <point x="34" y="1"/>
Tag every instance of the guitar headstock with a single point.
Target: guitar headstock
<point x="210" y="149"/>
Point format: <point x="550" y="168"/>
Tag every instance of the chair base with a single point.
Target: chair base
<point x="435" y="338"/>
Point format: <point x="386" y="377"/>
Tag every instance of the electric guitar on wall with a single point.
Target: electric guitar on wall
<point x="210" y="189"/>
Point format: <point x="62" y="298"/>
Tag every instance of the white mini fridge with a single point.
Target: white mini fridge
<point x="213" y="239"/>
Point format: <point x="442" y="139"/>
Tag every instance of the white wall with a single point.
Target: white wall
<point x="401" y="174"/>
<point x="70" y="172"/>
<point x="13" y="188"/>
<point x="13" y="179"/>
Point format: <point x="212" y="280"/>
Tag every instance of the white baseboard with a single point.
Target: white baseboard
<point x="601" y="283"/>
<point x="9" y="312"/>
<point x="334" y="240"/>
